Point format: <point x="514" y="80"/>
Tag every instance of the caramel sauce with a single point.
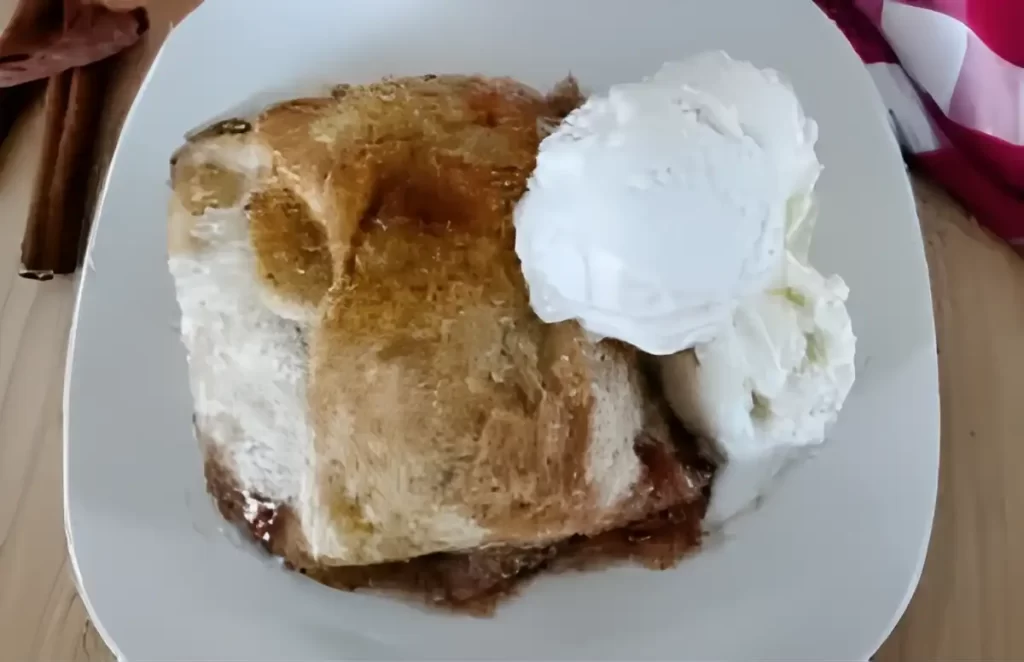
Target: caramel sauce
<point x="476" y="582"/>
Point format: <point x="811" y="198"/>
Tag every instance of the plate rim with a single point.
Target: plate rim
<point x="82" y="276"/>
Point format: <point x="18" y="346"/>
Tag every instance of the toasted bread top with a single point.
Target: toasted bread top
<point x="360" y="337"/>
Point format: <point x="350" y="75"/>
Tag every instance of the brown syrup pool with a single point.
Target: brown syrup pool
<point x="474" y="582"/>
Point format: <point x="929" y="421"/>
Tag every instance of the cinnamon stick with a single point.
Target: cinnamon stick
<point x="57" y="213"/>
<point x="74" y="96"/>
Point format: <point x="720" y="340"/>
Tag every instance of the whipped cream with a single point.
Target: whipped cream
<point x="765" y="391"/>
<point x="656" y="209"/>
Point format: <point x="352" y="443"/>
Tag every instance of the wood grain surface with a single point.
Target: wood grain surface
<point x="971" y="598"/>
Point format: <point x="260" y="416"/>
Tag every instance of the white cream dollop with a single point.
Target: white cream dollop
<point x="653" y="211"/>
<point x="766" y="390"/>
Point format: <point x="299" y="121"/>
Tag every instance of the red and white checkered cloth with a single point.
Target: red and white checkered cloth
<point x="952" y="74"/>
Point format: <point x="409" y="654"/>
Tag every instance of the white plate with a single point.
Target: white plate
<point x="820" y="572"/>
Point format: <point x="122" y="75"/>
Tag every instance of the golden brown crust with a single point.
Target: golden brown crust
<point x="291" y="249"/>
<point x="445" y="415"/>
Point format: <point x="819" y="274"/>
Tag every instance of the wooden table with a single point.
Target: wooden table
<point x="970" y="601"/>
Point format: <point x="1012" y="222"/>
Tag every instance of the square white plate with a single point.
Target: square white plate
<point x="820" y="572"/>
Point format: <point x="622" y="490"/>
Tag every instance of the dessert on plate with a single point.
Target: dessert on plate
<point x="446" y="331"/>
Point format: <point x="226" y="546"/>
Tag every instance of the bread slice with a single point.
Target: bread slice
<point x="370" y="382"/>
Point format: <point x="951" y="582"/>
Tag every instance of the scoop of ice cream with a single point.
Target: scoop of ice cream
<point x="766" y="390"/>
<point x="655" y="209"/>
